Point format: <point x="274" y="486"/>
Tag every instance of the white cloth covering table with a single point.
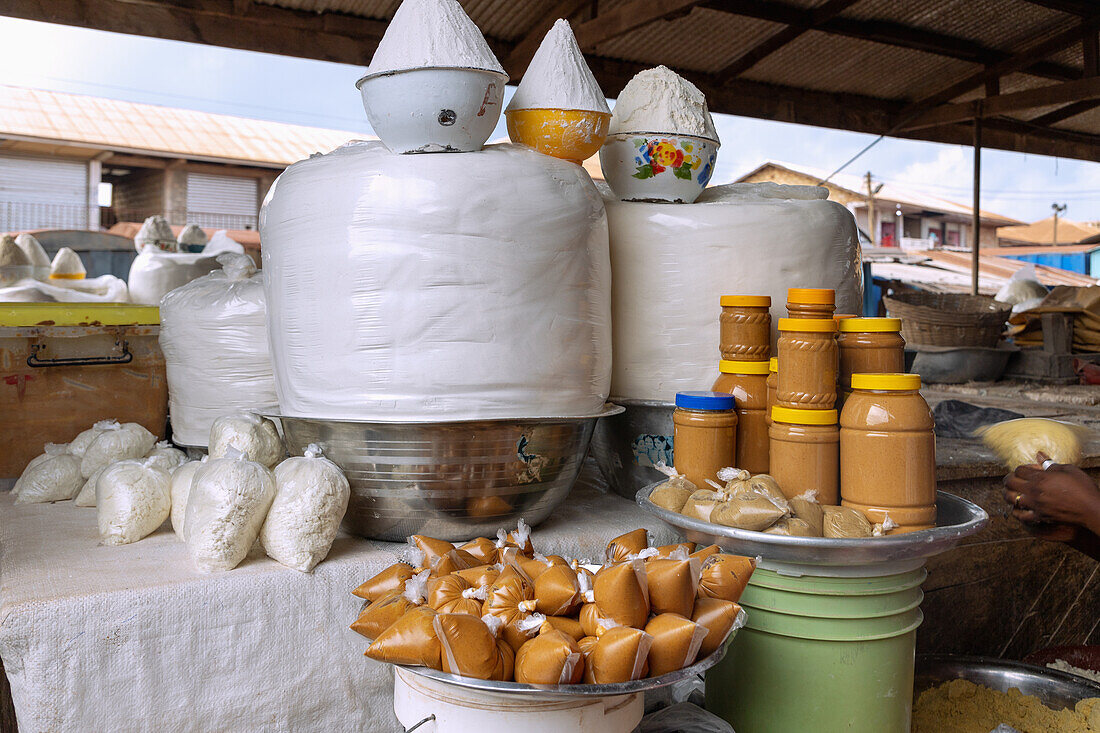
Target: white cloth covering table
<point x="97" y="638"/>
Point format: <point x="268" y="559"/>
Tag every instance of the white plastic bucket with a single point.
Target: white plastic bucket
<point x="463" y="710"/>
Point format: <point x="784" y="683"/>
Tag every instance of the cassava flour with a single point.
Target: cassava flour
<point x="311" y="496"/>
<point x="67" y="264"/>
<point x="53" y="476"/>
<point x="116" y="443"/>
<point x="11" y="254"/>
<point x="192" y="235"/>
<point x="157" y="233"/>
<point x="132" y="500"/>
<point x="426" y="33"/>
<point x="36" y="254"/>
<point x="254" y="436"/>
<point x="558" y="77"/>
<point x="180" y="490"/>
<point x="661" y="101"/>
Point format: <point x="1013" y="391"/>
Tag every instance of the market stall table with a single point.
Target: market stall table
<point x="133" y="638"/>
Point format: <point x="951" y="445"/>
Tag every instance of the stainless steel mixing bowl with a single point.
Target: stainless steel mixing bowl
<point x="1055" y="689"/>
<point x="450" y="480"/>
<point x="627" y="445"/>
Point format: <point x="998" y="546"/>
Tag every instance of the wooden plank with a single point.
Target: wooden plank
<point x="625" y="18"/>
<point x="1070" y="91"/>
<point x="1073" y="7"/>
<point x="516" y="63"/>
<point x="1065" y="113"/>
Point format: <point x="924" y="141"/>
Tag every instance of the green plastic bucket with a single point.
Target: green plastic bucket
<point x="821" y="654"/>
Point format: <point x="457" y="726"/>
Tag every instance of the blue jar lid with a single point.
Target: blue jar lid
<point x="705" y="400"/>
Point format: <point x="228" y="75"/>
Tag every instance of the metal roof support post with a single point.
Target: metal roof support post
<point x="976" y="246"/>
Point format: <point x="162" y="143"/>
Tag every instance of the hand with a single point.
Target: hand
<point x="1061" y="494"/>
<point x="1052" y="532"/>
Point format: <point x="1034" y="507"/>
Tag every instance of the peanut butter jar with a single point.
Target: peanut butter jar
<point x="808" y="363"/>
<point x="704" y="434"/>
<point x="888" y="450"/>
<point x="869" y="346"/>
<point x="804" y="452"/>
<point x="773" y="369"/>
<point x="810" y="303"/>
<point x="747" y="381"/>
<point x="745" y="327"/>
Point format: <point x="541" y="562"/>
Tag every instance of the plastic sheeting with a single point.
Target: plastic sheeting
<point x="672" y="263"/>
<point x="102" y="289"/>
<point x="214" y="338"/>
<point x="154" y="274"/>
<point x="414" y="287"/>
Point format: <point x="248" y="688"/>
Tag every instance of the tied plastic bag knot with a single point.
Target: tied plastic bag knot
<point x="527" y="606"/>
<point x="530" y="623"/>
<point x="107" y="425"/>
<point x="666" y="469"/>
<point x="479" y="594"/>
<point x="495" y="624"/>
<point x="584" y="583"/>
<point x="55" y="449"/>
<point x="416" y="588"/>
<point x="730" y="473"/>
<point x="680" y="553"/>
<point x="313" y="451"/>
<point x="236" y="266"/>
<point x="233" y="454"/>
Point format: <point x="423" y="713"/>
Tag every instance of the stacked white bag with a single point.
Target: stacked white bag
<point x="672" y="263"/>
<point x="116" y="442"/>
<point x="254" y="436"/>
<point x="414" y="287"/>
<point x="214" y="337"/>
<point x="154" y="273"/>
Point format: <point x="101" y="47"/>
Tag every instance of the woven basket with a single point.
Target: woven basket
<point x="948" y="319"/>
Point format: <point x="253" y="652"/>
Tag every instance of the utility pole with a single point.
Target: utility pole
<point x="1057" y="210"/>
<point x="871" y="191"/>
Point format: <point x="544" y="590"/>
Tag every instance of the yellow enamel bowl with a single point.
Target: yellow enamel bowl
<point x="569" y="134"/>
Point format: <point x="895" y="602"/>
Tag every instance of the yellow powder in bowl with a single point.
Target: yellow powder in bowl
<point x="960" y="706"/>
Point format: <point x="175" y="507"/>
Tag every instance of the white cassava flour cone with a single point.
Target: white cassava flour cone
<point x="132" y="500"/>
<point x="228" y="503"/>
<point x="311" y="496"/>
<point x="116" y="443"/>
<point x="254" y="436"/>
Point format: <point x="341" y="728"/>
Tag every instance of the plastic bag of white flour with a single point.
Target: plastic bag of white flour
<point x="86" y="497"/>
<point x="132" y="500"/>
<point x="116" y="443"/>
<point x="168" y="457"/>
<point x="255" y="436"/>
<point x="52" y="476"/>
<point x="80" y="443"/>
<point x="227" y="505"/>
<point x="311" y="496"/>
<point x="181" y="489"/>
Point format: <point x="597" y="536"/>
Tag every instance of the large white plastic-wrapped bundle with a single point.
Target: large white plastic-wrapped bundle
<point x="673" y="262"/>
<point x="214" y="337"/>
<point x="415" y="287"/>
<point x="154" y="273"/>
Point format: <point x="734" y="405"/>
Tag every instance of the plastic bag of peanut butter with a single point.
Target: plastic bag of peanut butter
<point x="676" y="642"/>
<point x="805" y="507"/>
<point x="748" y="510"/>
<point x="409" y="640"/>
<point x="389" y="580"/>
<point x="467" y="646"/>
<point x="482" y="548"/>
<point x="791" y="527"/>
<point x="718" y="617"/>
<point x="550" y="659"/>
<point x="621" y="593"/>
<point x="479" y="576"/>
<point x="618" y="656"/>
<point x="673" y="584"/>
<point x="625" y="545"/>
<point x="594" y="623"/>
<point x="565" y="624"/>
<point x="725" y="576"/>
<point x="702" y="504"/>
<point x="557" y="592"/>
<point x="381" y="614"/>
<point x="844" y="522"/>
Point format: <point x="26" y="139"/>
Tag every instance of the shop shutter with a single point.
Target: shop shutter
<point x="227" y="202"/>
<point x="43" y="193"/>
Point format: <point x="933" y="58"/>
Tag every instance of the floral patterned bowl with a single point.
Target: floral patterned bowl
<point x="658" y="167"/>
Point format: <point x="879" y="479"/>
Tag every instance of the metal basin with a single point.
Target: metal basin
<point x="627" y="445"/>
<point x="1057" y="690"/>
<point x="949" y="365"/>
<point x="451" y="480"/>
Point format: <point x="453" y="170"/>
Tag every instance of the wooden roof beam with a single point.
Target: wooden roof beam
<point x="1090" y="47"/>
<point x="887" y="33"/>
<point x="1066" y="92"/>
<point x="622" y="19"/>
<point x="756" y="54"/>
<point x="520" y="57"/>
<point x="1083" y="8"/>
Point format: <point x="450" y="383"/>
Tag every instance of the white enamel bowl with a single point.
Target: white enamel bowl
<point x="649" y="166"/>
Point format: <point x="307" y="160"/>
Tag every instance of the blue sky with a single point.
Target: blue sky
<point x="323" y="94"/>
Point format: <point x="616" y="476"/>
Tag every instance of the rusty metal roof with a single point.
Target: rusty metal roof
<point x="895" y="67"/>
<point x="1042" y="232"/>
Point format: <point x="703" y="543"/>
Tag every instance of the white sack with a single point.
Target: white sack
<point x="102" y="289"/>
<point x="311" y="496"/>
<point x="213" y="334"/>
<point x="53" y="476"/>
<point x="132" y="500"/>
<point x="673" y="262"/>
<point x="86" y="497"/>
<point x="120" y="443"/>
<point x="227" y="505"/>
<point x="166" y="456"/>
<point x="254" y="436"/>
<point x="414" y="287"/>
<point x="105" y="288"/>
<point x="181" y="489"/>
<point x="153" y="273"/>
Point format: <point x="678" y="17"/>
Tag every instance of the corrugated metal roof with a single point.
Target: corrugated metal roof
<point x="1049" y="249"/>
<point x="1003" y="268"/>
<point x="96" y="122"/>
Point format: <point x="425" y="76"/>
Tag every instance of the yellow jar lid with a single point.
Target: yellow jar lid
<point x="795" y="416"/>
<point x="728" y="366"/>
<point x="811" y="296"/>
<point x="838" y="317"/>
<point x="750" y="301"/>
<point x="870" y="325"/>
<point x="886" y="382"/>
<point x="773" y="365"/>
<point x="808" y="325"/>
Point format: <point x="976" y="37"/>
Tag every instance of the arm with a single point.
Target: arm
<point x="1061" y="503"/>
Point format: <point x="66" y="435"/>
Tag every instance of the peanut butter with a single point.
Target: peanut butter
<point x="704" y="434"/>
<point x="745" y="327"/>
<point x="888" y="449"/>
<point x="807" y="363"/>
<point x="870" y="346"/>
<point x="747" y="381"/>
<point x="804" y="452"/>
<point x="772" y="384"/>
<point x="810" y="303"/>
